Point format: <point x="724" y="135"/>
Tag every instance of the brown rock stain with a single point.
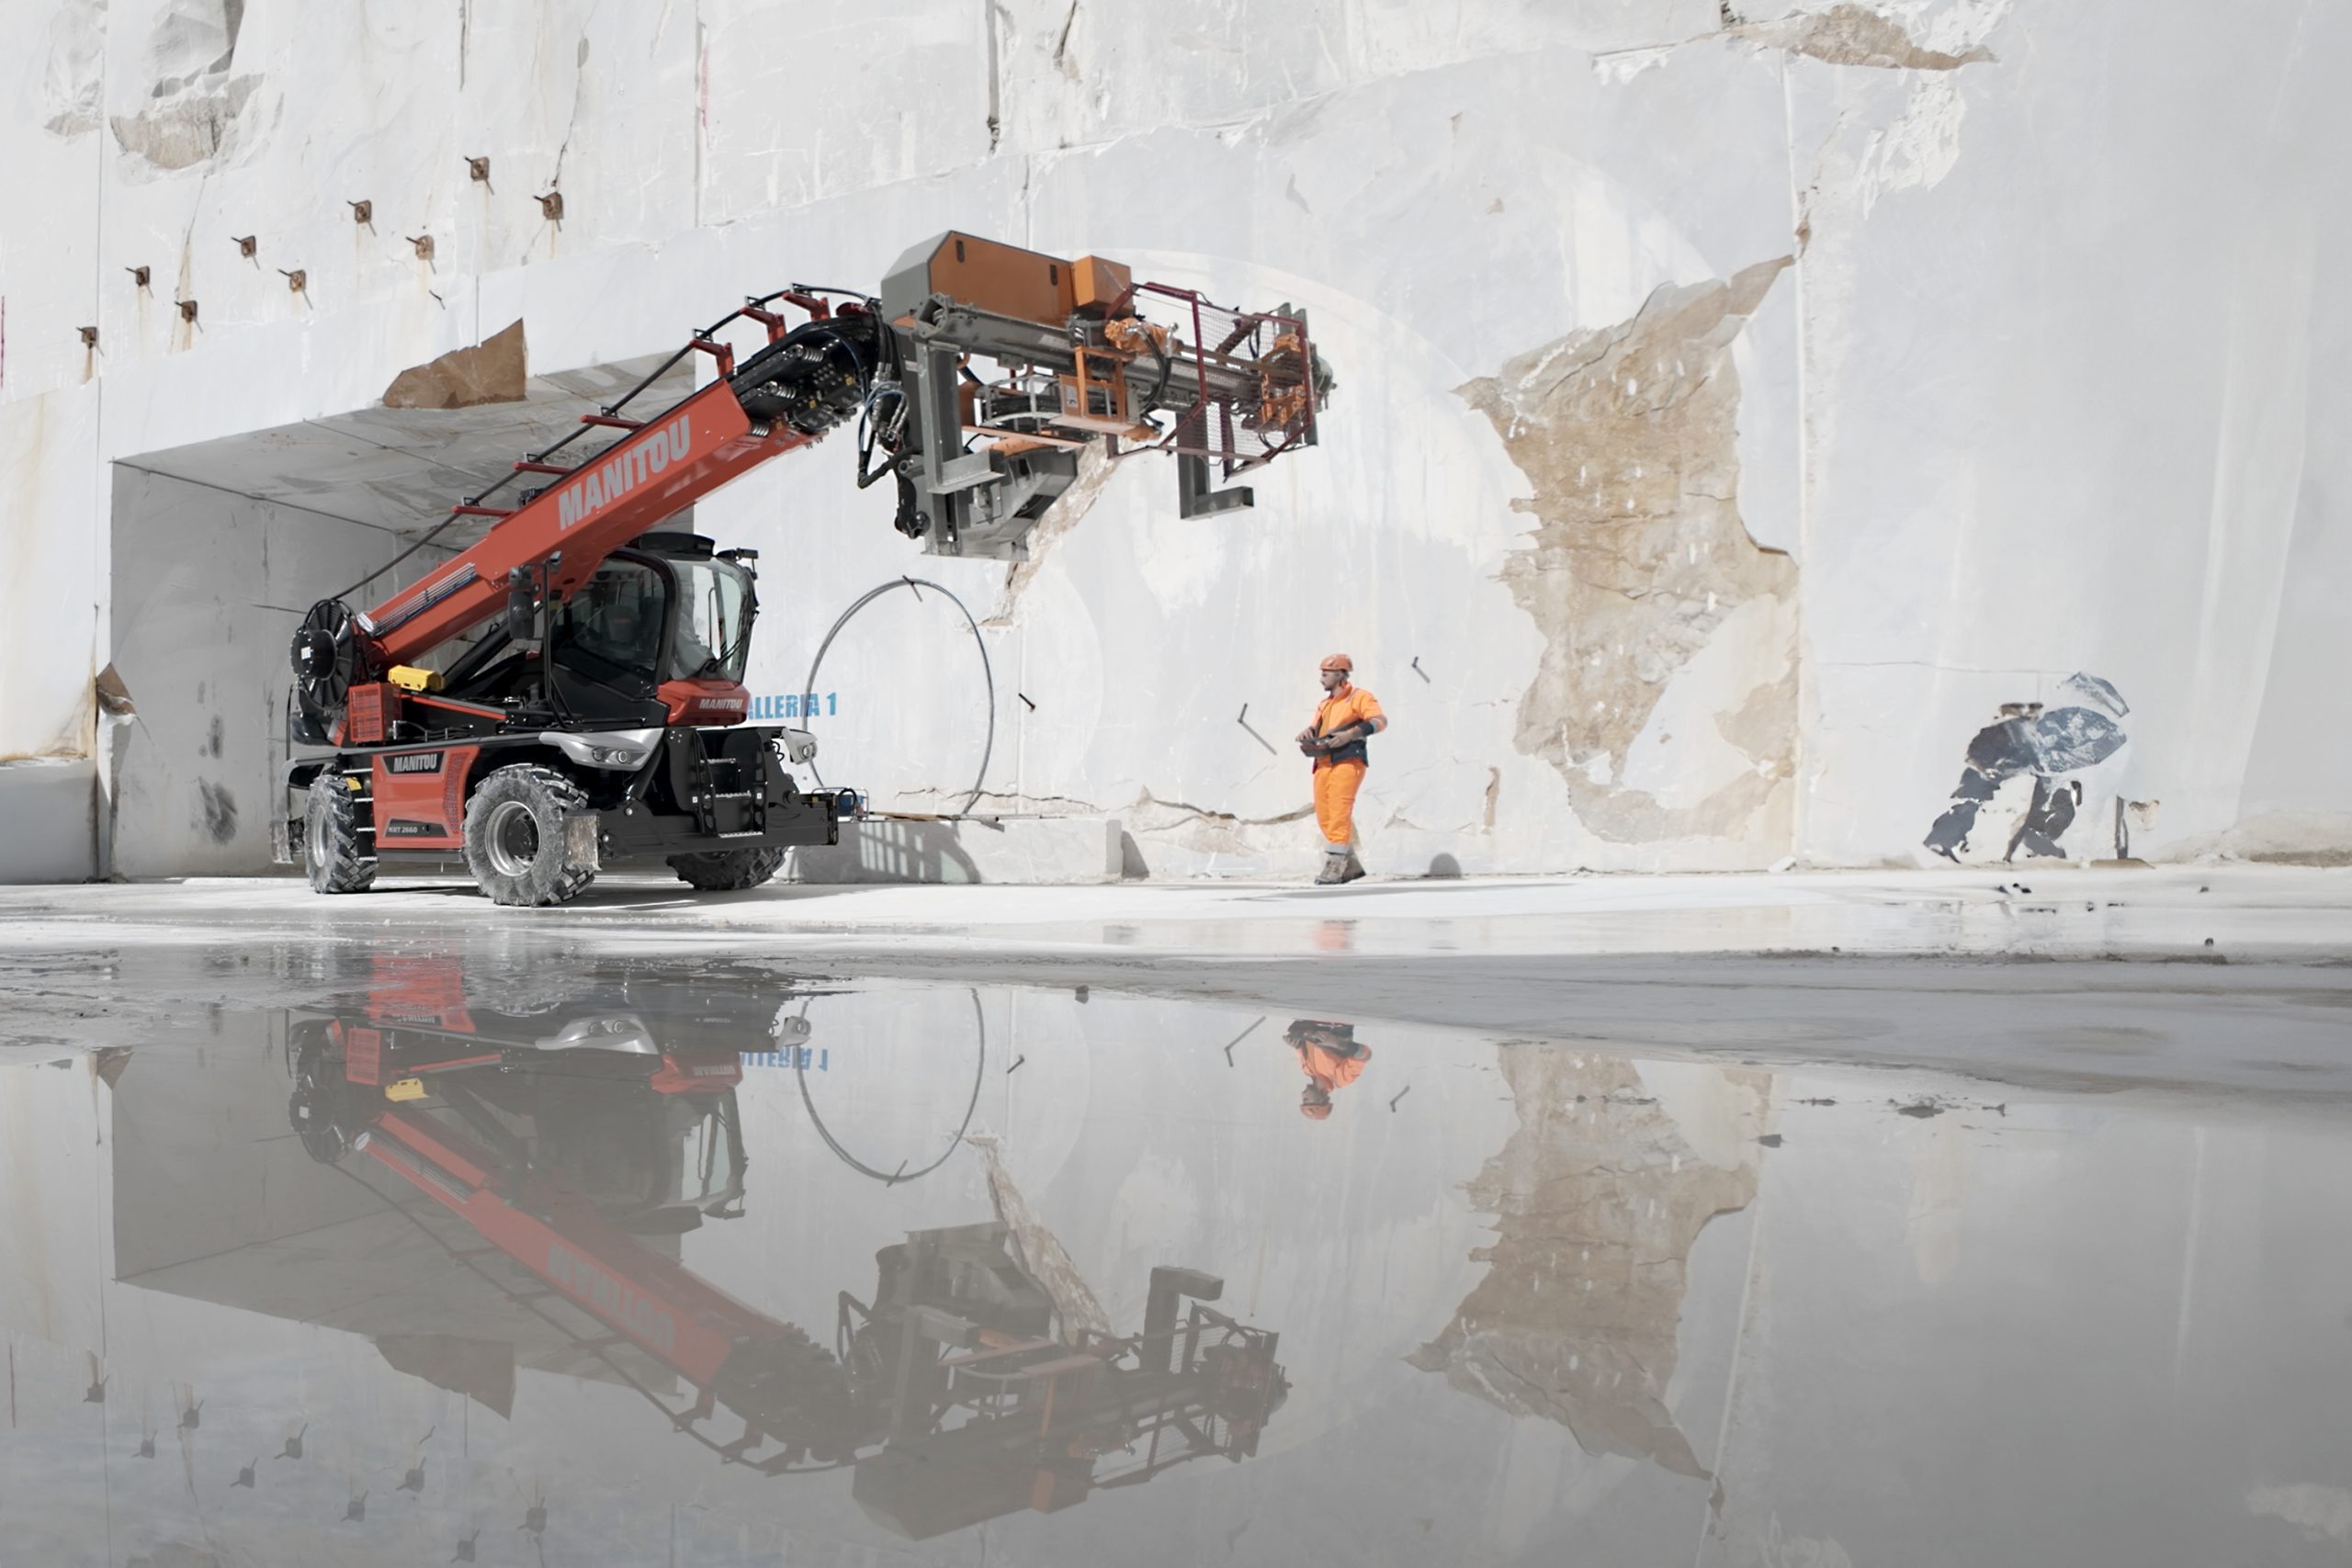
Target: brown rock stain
<point x="1598" y="1196"/>
<point x="1855" y="35"/>
<point x="1761" y="726"/>
<point x="1627" y="436"/>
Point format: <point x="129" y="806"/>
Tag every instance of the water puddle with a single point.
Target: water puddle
<point x="646" y="1264"/>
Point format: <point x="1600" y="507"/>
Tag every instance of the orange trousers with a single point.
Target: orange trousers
<point x="1335" y="800"/>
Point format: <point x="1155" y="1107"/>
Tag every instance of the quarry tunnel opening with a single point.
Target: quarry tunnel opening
<point x="220" y="547"/>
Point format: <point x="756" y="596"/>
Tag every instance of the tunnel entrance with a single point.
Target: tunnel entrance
<point x="218" y="548"/>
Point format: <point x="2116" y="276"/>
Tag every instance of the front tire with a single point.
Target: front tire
<point x="727" y="871"/>
<point x="335" y="854"/>
<point x="518" y="836"/>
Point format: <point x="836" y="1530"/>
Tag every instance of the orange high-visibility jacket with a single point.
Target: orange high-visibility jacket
<point x="1348" y="705"/>
<point x="1329" y="1068"/>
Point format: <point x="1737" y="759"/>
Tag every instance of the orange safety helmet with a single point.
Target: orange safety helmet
<point x="1339" y="661"/>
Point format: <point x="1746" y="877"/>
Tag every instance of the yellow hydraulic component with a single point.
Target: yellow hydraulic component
<point x="404" y="1088"/>
<point x="408" y="678"/>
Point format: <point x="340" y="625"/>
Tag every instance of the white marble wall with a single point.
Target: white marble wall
<point x="2048" y="387"/>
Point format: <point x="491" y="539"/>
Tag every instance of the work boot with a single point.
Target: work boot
<point x="1335" y="866"/>
<point x="1353" y="870"/>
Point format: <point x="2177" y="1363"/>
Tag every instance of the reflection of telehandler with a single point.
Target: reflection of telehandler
<point x="955" y="1393"/>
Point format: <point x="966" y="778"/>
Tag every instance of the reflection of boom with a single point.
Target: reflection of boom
<point x="769" y="1373"/>
<point x="949" y="1390"/>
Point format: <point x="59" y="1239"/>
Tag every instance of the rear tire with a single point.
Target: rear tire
<point x="335" y="854"/>
<point x="727" y="871"/>
<point x="518" y="836"/>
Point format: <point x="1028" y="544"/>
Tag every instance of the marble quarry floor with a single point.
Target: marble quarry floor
<point x="1821" y="1219"/>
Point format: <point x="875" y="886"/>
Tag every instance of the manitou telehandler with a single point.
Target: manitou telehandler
<point x="567" y="694"/>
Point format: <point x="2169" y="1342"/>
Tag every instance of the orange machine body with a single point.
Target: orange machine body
<point x="653" y="473"/>
<point x="992" y="276"/>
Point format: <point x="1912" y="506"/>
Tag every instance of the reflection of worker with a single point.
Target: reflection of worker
<point x="1329" y="1057"/>
<point x="1347" y="717"/>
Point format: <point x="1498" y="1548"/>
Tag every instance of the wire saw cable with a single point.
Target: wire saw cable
<point x="988" y="671"/>
<point x="892" y="1178"/>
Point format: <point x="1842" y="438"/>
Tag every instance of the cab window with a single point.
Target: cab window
<point x="613" y="620"/>
<point x="715" y="608"/>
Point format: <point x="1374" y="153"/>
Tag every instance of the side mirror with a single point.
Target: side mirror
<point x="522" y="605"/>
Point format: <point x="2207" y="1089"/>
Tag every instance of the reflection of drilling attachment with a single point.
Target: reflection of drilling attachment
<point x="985" y="1420"/>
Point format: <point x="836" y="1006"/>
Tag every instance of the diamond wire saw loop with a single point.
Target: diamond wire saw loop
<point x="892" y="1178"/>
<point x="988" y="672"/>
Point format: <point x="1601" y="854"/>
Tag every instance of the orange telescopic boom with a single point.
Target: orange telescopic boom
<point x="603" y="655"/>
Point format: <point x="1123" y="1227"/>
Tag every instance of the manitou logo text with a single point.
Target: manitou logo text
<point x="612" y="1299"/>
<point x="416" y="763"/>
<point x="592" y="490"/>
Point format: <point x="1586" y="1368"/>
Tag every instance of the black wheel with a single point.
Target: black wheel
<point x="519" y="826"/>
<point x="335" y="852"/>
<point x="727" y="871"/>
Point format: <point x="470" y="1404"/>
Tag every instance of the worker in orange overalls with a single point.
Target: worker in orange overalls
<point x="1328" y="1055"/>
<point x="1348" y="716"/>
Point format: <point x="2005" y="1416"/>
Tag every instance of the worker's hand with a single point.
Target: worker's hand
<point x="1308" y="746"/>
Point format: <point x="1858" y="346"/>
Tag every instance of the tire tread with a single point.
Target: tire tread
<point x="728" y="870"/>
<point x="558" y="885"/>
<point x="348" y="869"/>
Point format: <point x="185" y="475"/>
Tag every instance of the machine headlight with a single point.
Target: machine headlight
<point x="605" y="749"/>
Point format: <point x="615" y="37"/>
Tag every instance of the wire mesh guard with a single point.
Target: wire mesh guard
<point x="1252" y="374"/>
